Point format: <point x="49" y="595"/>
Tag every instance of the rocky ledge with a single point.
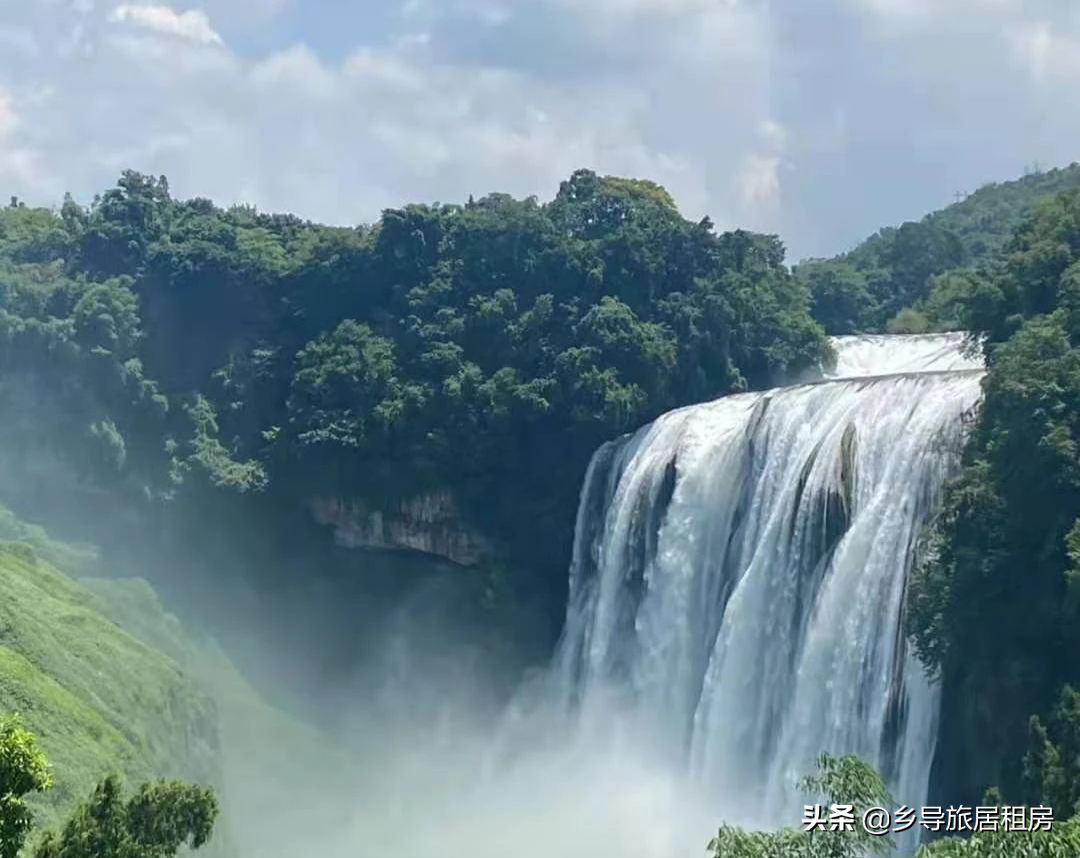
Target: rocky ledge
<point x="428" y="523"/>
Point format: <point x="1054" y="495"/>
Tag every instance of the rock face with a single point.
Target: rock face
<point x="428" y="523"/>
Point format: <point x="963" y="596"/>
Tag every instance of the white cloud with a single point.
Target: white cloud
<point x="773" y="133"/>
<point x="767" y="115"/>
<point x="1044" y="52"/>
<point x="759" y="181"/>
<point x="334" y="142"/>
<point x="244" y="12"/>
<point x="295" y="70"/>
<point x="192" y="24"/>
<point x="20" y="166"/>
<point x="9" y="119"/>
<point x="925" y="11"/>
<point x="649" y="7"/>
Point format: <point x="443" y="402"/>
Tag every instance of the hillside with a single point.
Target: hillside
<point x="865" y="288"/>
<point x="110" y="681"/>
<point x="99" y="699"/>
<point x="985" y="220"/>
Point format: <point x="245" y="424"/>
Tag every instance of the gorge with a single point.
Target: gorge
<point x="355" y="516"/>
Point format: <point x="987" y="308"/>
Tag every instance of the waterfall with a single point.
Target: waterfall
<point x="884" y="354"/>
<point x="739" y="573"/>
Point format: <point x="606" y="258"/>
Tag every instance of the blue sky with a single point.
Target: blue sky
<point x="820" y="120"/>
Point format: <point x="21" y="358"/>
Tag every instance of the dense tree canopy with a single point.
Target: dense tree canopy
<point x="159" y="820"/>
<point x="886" y="282"/>
<point x="229" y="360"/>
<point x="847" y="782"/>
<point x="996" y="608"/>
<point x="487" y="348"/>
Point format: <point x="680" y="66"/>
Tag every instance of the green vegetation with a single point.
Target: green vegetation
<point x="995" y="609"/>
<point x="23" y="771"/>
<point x="885" y="282"/>
<point x="849" y="782"/>
<point x="207" y="371"/>
<point x="235" y="363"/>
<point x="846" y="781"/>
<point x="155" y="823"/>
<point x="159" y="820"/>
<point x="110" y="682"/>
<point x="99" y="699"/>
<point x="76" y="559"/>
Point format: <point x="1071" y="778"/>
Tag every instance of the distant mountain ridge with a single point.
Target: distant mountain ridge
<point x="984" y="220"/>
<point x="867" y="287"/>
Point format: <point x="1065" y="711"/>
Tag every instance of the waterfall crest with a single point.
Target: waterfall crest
<point x="885" y="354"/>
<point x="739" y="572"/>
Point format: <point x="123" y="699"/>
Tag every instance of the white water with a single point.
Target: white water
<point x="735" y="610"/>
<point x="871" y="355"/>
<point x="739" y="573"/>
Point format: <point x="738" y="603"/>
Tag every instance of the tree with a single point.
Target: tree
<point x="345" y="387"/>
<point x="900" y="267"/>
<point x="916" y="252"/>
<point x="846" y="781"/>
<point x="995" y="607"/>
<point x="160" y="819"/>
<point x="841" y="298"/>
<point x="23" y="771"/>
<point x="107" y="318"/>
<point x="1061" y="841"/>
<point x="849" y="782"/>
<point x="963" y="300"/>
<point x="443" y="348"/>
<point x="908" y="321"/>
<point x="156" y="822"/>
<point x="1052" y="763"/>
<point x="123" y="224"/>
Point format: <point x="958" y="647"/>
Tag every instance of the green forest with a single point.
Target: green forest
<point x="191" y="372"/>
<point x="904" y="279"/>
<point x="201" y="359"/>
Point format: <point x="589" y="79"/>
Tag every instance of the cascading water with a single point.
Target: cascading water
<point x="739" y="573"/>
<point x="886" y="354"/>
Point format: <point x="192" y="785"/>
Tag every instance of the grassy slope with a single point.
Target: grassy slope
<point x="110" y="681"/>
<point x="98" y="699"/>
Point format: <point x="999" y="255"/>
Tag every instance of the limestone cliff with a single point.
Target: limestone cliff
<point x="429" y="523"/>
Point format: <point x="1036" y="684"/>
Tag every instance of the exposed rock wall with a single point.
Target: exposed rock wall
<point x="429" y="523"/>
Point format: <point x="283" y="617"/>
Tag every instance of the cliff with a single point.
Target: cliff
<point x="428" y="523"/>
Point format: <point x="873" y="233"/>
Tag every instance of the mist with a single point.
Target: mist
<point x="431" y="766"/>
<point x="353" y="721"/>
<point x="423" y="750"/>
<point x="431" y="744"/>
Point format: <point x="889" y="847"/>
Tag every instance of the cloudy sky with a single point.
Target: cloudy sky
<point x="817" y="119"/>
